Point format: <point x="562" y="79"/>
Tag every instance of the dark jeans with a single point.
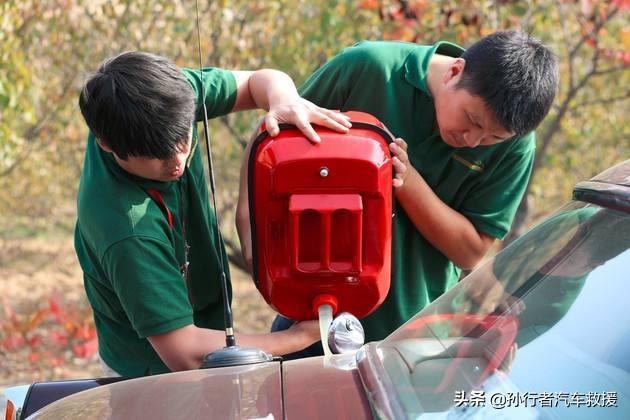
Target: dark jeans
<point x="280" y="324"/>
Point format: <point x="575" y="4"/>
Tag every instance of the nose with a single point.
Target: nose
<point x="472" y="138"/>
<point x="176" y="162"/>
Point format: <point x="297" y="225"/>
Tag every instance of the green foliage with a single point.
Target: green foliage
<point x="47" y="49"/>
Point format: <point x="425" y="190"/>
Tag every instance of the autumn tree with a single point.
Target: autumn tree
<point x="48" y="48"/>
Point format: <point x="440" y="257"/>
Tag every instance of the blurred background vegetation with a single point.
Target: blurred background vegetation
<point x="48" y="47"/>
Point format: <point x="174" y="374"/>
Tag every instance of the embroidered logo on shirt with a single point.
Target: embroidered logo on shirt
<point x="476" y="166"/>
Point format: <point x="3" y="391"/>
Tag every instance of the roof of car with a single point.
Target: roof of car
<point x="618" y="174"/>
<point x="610" y="188"/>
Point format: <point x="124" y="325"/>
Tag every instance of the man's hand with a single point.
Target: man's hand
<point x="301" y="113"/>
<point x="275" y="91"/>
<point x="400" y="161"/>
<point x="308" y="330"/>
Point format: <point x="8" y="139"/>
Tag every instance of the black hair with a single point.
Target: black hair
<point x="139" y="104"/>
<point x="515" y="75"/>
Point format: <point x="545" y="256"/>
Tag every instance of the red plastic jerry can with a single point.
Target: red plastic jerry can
<point x="321" y="218"/>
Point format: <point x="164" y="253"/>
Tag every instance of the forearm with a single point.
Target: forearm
<point x="446" y="229"/>
<point x="185" y="348"/>
<point x="277" y="343"/>
<point x="243" y="227"/>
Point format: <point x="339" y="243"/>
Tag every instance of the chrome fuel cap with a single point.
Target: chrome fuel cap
<point x="345" y="334"/>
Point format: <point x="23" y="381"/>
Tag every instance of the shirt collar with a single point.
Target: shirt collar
<point x="417" y="63"/>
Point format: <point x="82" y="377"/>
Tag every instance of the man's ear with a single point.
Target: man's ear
<point x="103" y="146"/>
<point x="454" y="71"/>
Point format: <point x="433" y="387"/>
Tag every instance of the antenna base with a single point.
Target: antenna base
<point x="234" y="356"/>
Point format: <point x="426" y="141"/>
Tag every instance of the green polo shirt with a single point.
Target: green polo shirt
<point x="485" y="184"/>
<point x="130" y="256"/>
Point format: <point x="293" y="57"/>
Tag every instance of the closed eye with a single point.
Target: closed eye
<point x="472" y="121"/>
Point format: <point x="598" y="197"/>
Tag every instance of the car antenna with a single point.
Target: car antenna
<point x="231" y="354"/>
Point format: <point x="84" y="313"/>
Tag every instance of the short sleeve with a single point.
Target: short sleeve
<point x="491" y="206"/>
<point x="144" y="275"/>
<point x="219" y="87"/>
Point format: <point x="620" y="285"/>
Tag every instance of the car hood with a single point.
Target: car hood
<point x="313" y="388"/>
<point x="325" y="387"/>
<point x="250" y="391"/>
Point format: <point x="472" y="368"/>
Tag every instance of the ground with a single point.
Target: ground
<point x="46" y="329"/>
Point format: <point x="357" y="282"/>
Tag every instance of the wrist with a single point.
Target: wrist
<point x="283" y="97"/>
<point x="409" y="177"/>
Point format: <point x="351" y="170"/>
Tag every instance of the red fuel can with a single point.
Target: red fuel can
<point x="321" y="218"/>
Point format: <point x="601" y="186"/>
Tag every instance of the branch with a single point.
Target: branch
<point x="601" y="101"/>
<point x="148" y="31"/>
<point x="234" y="255"/>
<point x="563" y="21"/>
<point x="564" y="107"/>
<point x="526" y="20"/>
<point x="34" y="130"/>
<point x="494" y="14"/>
<point x="591" y="34"/>
<point x="239" y="139"/>
<point x="187" y="41"/>
<point x="610" y="70"/>
<point x="28" y="20"/>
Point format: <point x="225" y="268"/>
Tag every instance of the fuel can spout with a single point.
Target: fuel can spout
<point x="325" y="320"/>
<point x="341" y="334"/>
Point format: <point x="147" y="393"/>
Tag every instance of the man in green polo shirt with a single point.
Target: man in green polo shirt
<point x="467" y="117"/>
<point x="145" y="237"/>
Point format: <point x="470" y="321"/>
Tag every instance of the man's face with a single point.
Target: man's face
<point x="158" y="169"/>
<point x="463" y="119"/>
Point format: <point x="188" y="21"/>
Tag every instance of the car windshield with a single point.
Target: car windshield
<point x="539" y="331"/>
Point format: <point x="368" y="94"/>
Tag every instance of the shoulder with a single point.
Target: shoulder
<point x="368" y="62"/>
<point x="524" y="145"/>
<point x="108" y="214"/>
<point x="380" y="53"/>
<point x="213" y="86"/>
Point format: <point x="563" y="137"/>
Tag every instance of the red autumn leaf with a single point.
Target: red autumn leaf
<point x="85" y="332"/>
<point x="10" y="314"/>
<point x="418" y="6"/>
<point x="69" y="326"/>
<point x="369" y="4"/>
<point x="12" y="342"/>
<point x="36" y="319"/>
<point x="396" y="13"/>
<point x="57" y="361"/>
<point x="35" y="340"/>
<point x="57" y="310"/>
<point x="58" y="338"/>
<point x="86" y="350"/>
<point x="53" y="304"/>
<point x="33" y="357"/>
